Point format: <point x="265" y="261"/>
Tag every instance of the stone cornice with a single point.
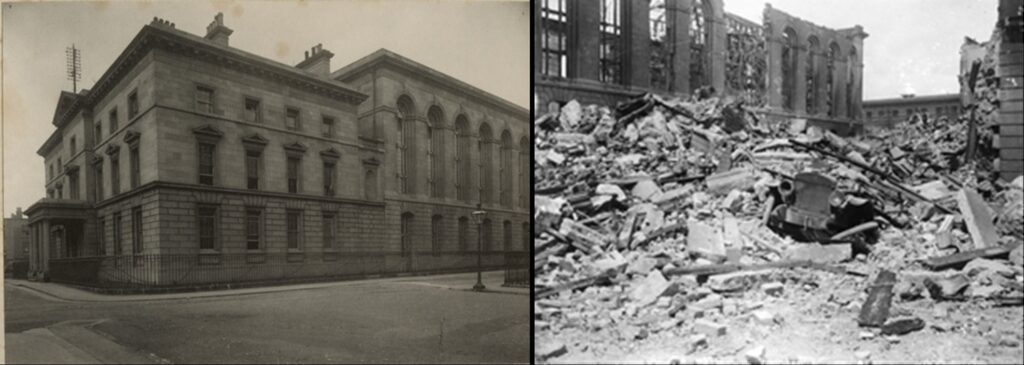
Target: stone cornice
<point x="165" y="37"/>
<point x="384" y="57"/>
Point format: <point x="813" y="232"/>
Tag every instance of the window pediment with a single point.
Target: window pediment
<point x="254" y="142"/>
<point x="112" y="149"/>
<point x="131" y="138"/>
<point x="208" y="133"/>
<point x="330" y="154"/>
<point x="295" y="148"/>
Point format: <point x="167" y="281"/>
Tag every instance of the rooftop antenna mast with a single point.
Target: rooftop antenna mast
<point x="74" y="66"/>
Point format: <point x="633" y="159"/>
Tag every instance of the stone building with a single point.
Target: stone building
<point x="16" y="240"/>
<point x="608" y="50"/>
<point x="191" y="161"/>
<point x="889" y="112"/>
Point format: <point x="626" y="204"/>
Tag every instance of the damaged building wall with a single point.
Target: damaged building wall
<point x="603" y="52"/>
<point x="1010" y="70"/>
<point x="814" y="72"/>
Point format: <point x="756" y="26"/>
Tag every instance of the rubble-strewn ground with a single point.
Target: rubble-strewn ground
<point x="658" y="222"/>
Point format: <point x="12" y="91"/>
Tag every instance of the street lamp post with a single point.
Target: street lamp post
<point x="478" y="217"/>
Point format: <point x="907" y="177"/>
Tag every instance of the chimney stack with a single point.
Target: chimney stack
<point x="317" y="61"/>
<point x="217" y="31"/>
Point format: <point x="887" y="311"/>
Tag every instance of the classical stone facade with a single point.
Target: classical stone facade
<point x="889" y="112"/>
<point x="189" y="148"/>
<point x="605" y="51"/>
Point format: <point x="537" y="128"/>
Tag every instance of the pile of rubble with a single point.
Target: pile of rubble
<point x="677" y="217"/>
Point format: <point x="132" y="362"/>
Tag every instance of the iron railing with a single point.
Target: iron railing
<point x="517" y="269"/>
<point x="215" y="270"/>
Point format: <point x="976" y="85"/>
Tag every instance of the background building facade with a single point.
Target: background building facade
<point x="889" y="112"/>
<point x="198" y="162"/>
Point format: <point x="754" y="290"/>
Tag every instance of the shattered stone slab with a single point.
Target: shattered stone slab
<point x="738" y="281"/>
<point x="735" y="179"/>
<point x="652" y="287"/>
<point x="819" y="253"/>
<point x="705" y="241"/>
<point x="709" y="328"/>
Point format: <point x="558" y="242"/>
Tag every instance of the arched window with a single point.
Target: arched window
<point x="464" y="234"/>
<point x="699" y="44"/>
<point x="789" y="68"/>
<point x="661" y="47"/>
<point x="524" y="169"/>
<point x="830" y="78"/>
<point x="506" y="228"/>
<point x="462" y="150"/>
<point x="488" y="235"/>
<point x="436" y="234"/>
<point x="851" y="65"/>
<point x="526" y="237"/>
<point x="370" y="184"/>
<point x="436" y="151"/>
<point x="406" y="229"/>
<point x="486" y="168"/>
<point x="811" y="78"/>
<point x="505" y="181"/>
<point x="405" y="141"/>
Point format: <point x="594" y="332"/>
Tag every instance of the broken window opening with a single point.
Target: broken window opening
<point x="698" y="44"/>
<point x="745" y="60"/>
<point x="611" y="41"/>
<point x="553" y="39"/>
<point x="789" y="69"/>
<point x="811" y="79"/>
<point x="662" y="72"/>
<point x="830" y="87"/>
<point x="850" y="65"/>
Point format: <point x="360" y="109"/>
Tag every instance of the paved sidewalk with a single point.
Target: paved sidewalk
<point x="71" y="342"/>
<point x="462" y="281"/>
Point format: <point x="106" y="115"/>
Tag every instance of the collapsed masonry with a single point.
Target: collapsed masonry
<point x="991" y="83"/>
<point x="656" y="220"/>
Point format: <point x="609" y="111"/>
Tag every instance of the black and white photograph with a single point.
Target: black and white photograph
<point x="793" y="182"/>
<point x="266" y="182"/>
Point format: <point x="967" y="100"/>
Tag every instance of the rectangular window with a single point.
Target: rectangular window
<point x="137" y="230"/>
<point x="329" y="178"/>
<point x="611" y="41"/>
<point x="117" y="234"/>
<point x="463" y="234"/>
<point x="291" y="120"/>
<point x="329" y="230"/>
<point x="133" y="160"/>
<point x="553" y="38"/>
<point x="206" y="163"/>
<point x="207" y="223"/>
<point x="252" y="110"/>
<point x="437" y="234"/>
<point x="252" y="229"/>
<point x="98" y="136"/>
<point x="99" y="181"/>
<point x="292" y="223"/>
<point x="115" y="175"/>
<point x="133" y="104"/>
<point x="204" y="99"/>
<point x="327" y="128"/>
<point x="113" y="121"/>
<point x="74" y="145"/>
<point x="73" y="185"/>
<point x="293" y="174"/>
<point x="252" y="169"/>
<point x="100" y="232"/>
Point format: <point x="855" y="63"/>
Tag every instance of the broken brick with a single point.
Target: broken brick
<point x="652" y="287"/>
<point x="705" y="241"/>
<point x="709" y="328"/>
<point x="774" y="288"/>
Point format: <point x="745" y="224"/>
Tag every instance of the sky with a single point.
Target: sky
<point x="912" y="45"/>
<point x="485" y="44"/>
